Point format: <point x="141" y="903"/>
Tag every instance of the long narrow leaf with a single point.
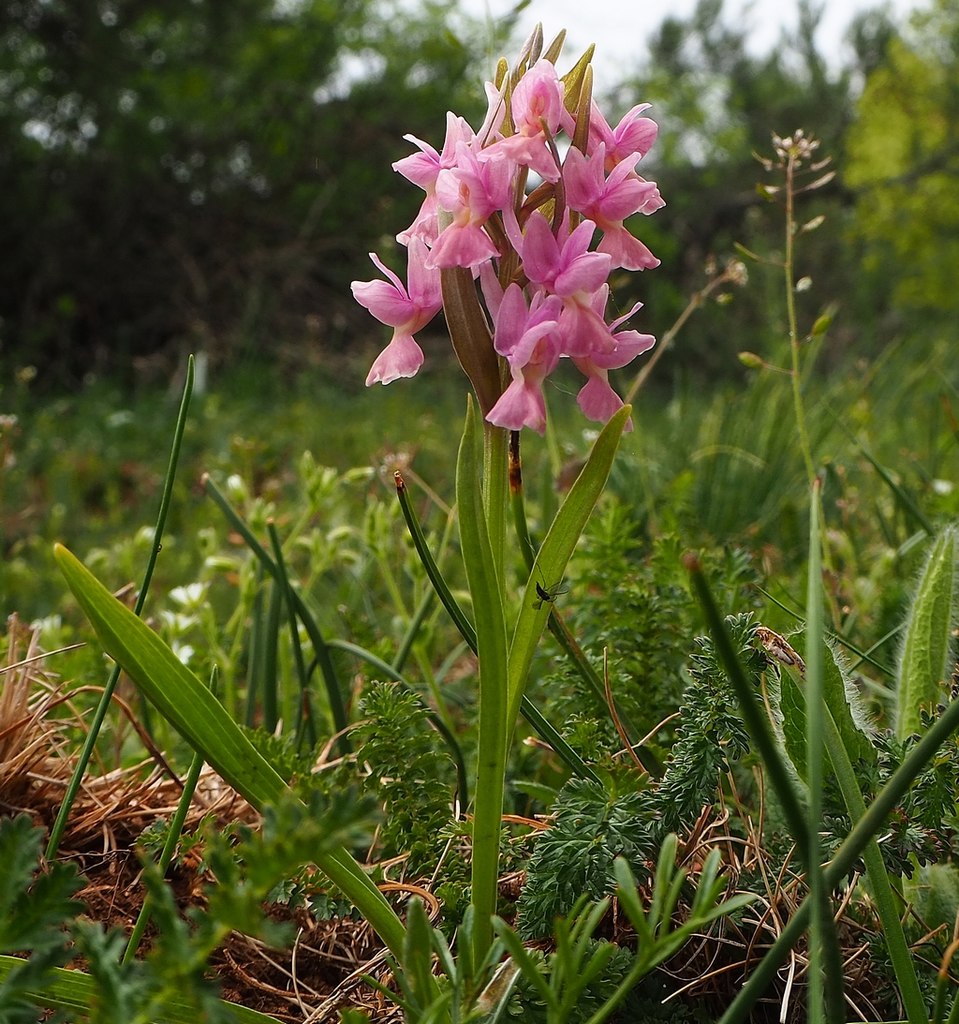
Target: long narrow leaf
<point x="436" y="578"/>
<point x="75" y="991"/>
<point x="555" y="552"/>
<point x="200" y="718"/>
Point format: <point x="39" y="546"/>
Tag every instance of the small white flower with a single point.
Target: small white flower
<point x="189" y="597"/>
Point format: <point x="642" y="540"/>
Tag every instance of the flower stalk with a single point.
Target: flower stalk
<point x="522" y="222"/>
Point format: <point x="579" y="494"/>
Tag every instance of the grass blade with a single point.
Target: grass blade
<point x="330" y="678"/>
<point x="56" y="833"/>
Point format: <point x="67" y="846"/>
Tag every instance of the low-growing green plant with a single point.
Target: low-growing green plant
<point x="38" y="914"/>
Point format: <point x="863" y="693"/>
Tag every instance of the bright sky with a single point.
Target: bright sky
<point x="620" y="27"/>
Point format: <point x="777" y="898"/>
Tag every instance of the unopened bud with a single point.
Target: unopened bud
<point x="821" y="325"/>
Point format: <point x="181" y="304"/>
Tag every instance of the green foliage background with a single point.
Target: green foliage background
<point x="191" y="176"/>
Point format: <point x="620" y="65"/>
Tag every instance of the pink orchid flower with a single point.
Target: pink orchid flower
<point x="565" y="268"/>
<point x="609" y="201"/>
<point x="518" y="328"/>
<point x="634" y="134"/>
<point x="470" y="192"/>
<point x="538" y="112"/>
<point x="597" y="398"/>
<point x="405" y="310"/>
<point x="529" y="341"/>
<point x="423" y="169"/>
<point x="542" y="287"/>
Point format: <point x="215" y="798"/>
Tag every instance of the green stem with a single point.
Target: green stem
<point x="56" y="833"/>
<point x="166" y="855"/>
<point x="305" y="723"/>
<point x="788" y="269"/>
<point x="544" y="728"/>
<point x="481" y="560"/>
<point x="825" y="967"/>
<point x="496" y="491"/>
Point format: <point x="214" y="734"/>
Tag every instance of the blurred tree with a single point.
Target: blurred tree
<point x="718" y="105"/>
<point x="904" y="160"/>
<point x="207" y="174"/>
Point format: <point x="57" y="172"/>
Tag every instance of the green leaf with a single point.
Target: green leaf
<point x="552" y="558"/>
<point x="792" y="707"/>
<point x="75" y="991"/>
<point x="841" y="699"/>
<point x="845" y="705"/>
<point x="418" y="954"/>
<point x="173" y="689"/>
<point x="200" y="718"/>
<point x="926" y="647"/>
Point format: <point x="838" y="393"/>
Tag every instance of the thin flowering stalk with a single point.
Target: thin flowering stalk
<point x="792" y="153"/>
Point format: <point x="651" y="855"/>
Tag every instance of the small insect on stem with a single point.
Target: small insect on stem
<point x="548" y="595"/>
<point x="778" y="649"/>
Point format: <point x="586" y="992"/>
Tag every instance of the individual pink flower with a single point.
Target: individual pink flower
<point x="567" y="269"/>
<point x="522" y="403"/>
<point x="538" y="111"/>
<point x="597" y="398"/>
<point x="405" y="310"/>
<point x="633" y="134"/>
<point x="608" y="201"/>
<point x="564" y="268"/>
<point x="423" y="168"/>
<point x="527" y="338"/>
<point x="518" y="329"/>
<point x="469" y="191"/>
